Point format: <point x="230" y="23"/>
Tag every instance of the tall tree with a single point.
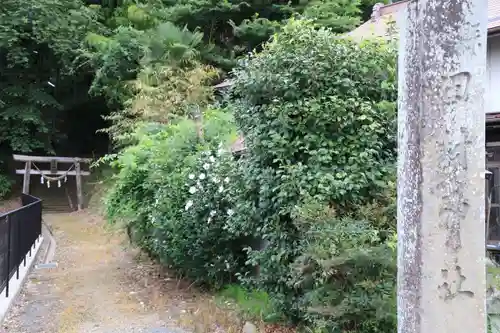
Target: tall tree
<point x="39" y="41"/>
<point x="232" y="28"/>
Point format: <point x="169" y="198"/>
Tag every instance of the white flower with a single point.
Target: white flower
<point x="221" y="188"/>
<point x="192" y="190"/>
<point x="230" y="212"/>
<point x="206" y="166"/>
<point x="220" y="151"/>
<point x="215" y="180"/>
<point x="188" y="204"/>
<point x="209" y="219"/>
<point x="191" y="176"/>
<point x="226" y="180"/>
<point x="202" y="176"/>
<point x="212" y="159"/>
<point x="213" y="212"/>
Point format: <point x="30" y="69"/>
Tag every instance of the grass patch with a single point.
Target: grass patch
<point x="251" y="304"/>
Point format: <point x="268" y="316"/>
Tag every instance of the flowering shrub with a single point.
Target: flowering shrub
<point x="197" y="243"/>
<point x="172" y="191"/>
<point x="318" y="115"/>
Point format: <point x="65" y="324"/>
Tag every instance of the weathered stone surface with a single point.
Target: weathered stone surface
<point x="442" y="80"/>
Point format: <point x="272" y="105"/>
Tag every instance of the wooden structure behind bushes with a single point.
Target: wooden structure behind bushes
<point x="53" y="174"/>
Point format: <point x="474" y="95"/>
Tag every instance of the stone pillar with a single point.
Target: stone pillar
<point x="441" y="245"/>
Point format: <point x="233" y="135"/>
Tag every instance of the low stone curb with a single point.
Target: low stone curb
<point x="15" y="285"/>
<point x="46" y="242"/>
<point x="51" y="248"/>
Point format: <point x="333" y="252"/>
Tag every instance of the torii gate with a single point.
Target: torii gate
<point x="53" y="175"/>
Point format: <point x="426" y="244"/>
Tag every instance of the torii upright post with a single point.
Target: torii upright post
<point x="441" y="245"/>
<point x="79" y="193"/>
<point x="26" y="177"/>
<point x="54" y="161"/>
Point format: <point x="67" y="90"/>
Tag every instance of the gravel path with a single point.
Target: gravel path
<point x="100" y="286"/>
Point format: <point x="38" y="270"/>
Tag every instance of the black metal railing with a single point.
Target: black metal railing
<point x="19" y="230"/>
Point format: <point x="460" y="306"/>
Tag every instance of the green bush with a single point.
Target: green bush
<point x="315" y="189"/>
<point x="5" y="186"/>
<point x="347" y="273"/>
<point x="170" y="190"/>
<point x="193" y="238"/>
<point x="250" y="303"/>
<point x="318" y="114"/>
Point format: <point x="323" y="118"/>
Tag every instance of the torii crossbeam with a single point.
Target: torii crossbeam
<point x="54" y="174"/>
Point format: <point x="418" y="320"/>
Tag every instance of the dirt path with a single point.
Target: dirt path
<point x="100" y="286"/>
<point x="8" y="205"/>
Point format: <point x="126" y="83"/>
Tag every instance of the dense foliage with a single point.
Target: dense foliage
<point x="318" y="115"/>
<point x="160" y="77"/>
<point x="232" y="28"/>
<point x="308" y="213"/>
<point x="171" y="189"/>
<point x="154" y="48"/>
<point x="306" y="216"/>
<point x="52" y="52"/>
<point x="346" y="270"/>
<point x="39" y="42"/>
